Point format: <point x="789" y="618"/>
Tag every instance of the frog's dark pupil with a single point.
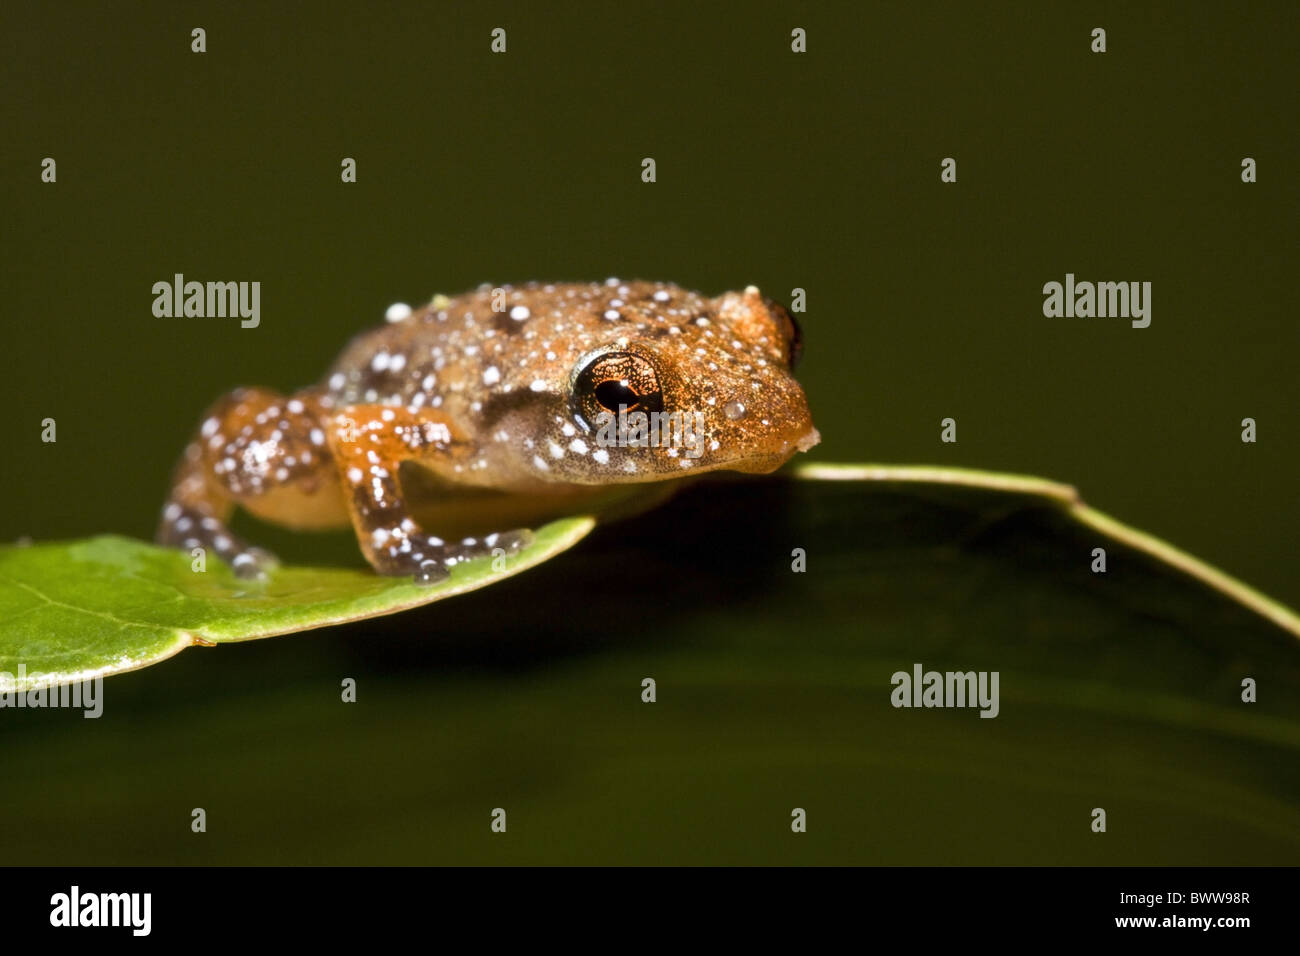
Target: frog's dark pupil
<point x="613" y="393"/>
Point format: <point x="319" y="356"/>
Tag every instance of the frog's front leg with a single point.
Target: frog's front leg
<point x="369" y="444"/>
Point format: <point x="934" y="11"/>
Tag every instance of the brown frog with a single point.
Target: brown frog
<point x="509" y="401"/>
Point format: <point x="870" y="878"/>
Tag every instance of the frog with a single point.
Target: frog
<point x="502" y="403"/>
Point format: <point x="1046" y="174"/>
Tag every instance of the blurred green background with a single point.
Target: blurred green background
<point x="818" y="171"/>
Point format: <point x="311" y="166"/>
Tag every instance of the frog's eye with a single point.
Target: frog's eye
<point x="793" y="334"/>
<point x="796" y="342"/>
<point x="614" y="380"/>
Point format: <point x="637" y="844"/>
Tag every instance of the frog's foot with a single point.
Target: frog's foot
<point x="403" y="550"/>
<point x="188" y="527"/>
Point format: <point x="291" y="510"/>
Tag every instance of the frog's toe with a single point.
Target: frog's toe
<point x="467" y="549"/>
<point x="421" y="555"/>
<point x="188" y="528"/>
<point x="252" y="563"/>
<point x="429" y="559"/>
<point x="512" y="542"/>
<point x="502" y="542"/>
<point x="431" y="572"/>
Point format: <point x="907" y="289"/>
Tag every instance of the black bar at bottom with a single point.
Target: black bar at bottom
<point x="330" y="905"/>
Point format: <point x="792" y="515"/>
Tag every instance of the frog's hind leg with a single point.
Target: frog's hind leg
<point x="265" y="453"/>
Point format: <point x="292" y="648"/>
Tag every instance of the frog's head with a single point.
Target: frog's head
<point x="678" y="385"/>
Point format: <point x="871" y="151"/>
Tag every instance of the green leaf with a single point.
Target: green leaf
<point x="1067" y="499"/>
<point x="81" y="609"/>
<point x="75" y="610"/>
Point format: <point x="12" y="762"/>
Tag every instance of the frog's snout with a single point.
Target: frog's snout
<point x="808" y="439"/>
<point x="795" y="429"/>
<point x="774" y="433"/>
<point x="798" y="441"/>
